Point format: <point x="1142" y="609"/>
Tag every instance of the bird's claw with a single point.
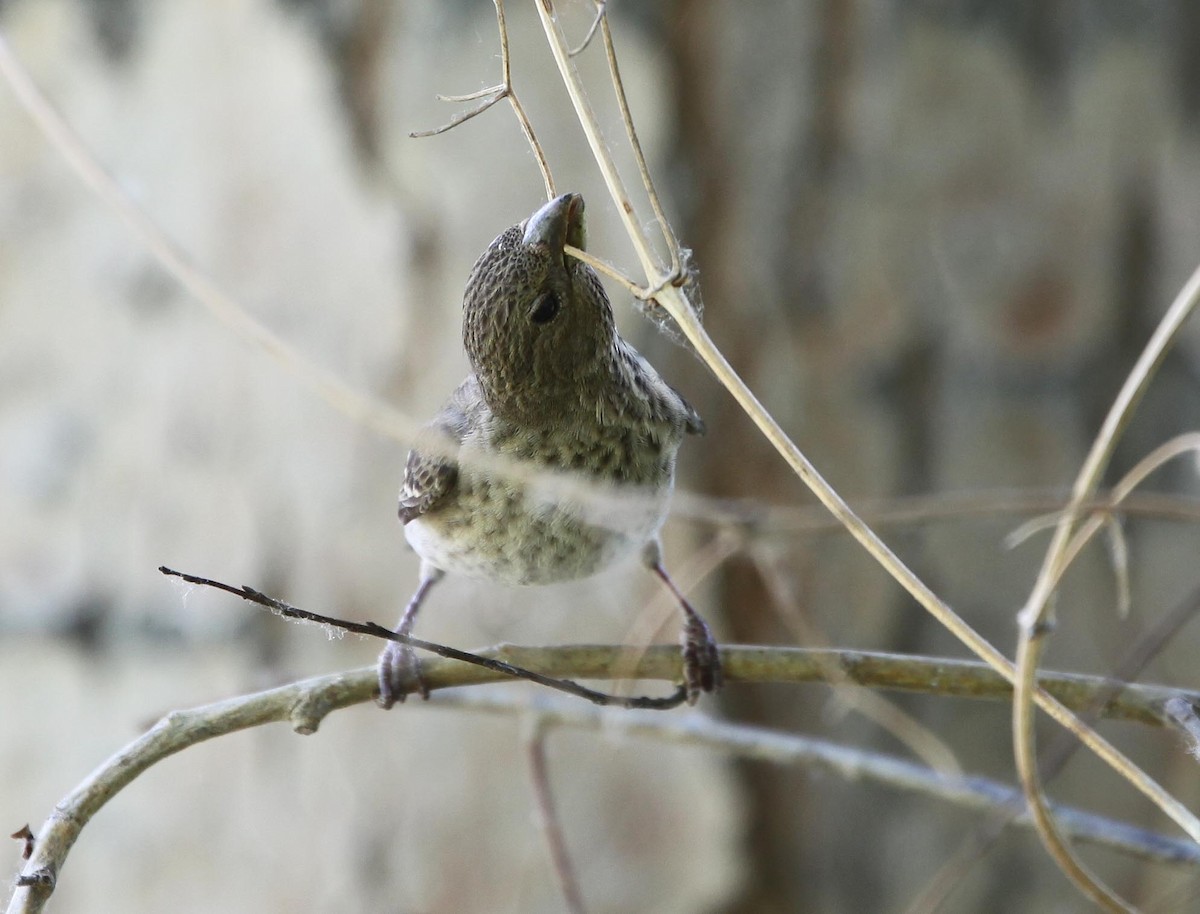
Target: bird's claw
<point x="701" y="660"/>
<point x="399" y="674"/>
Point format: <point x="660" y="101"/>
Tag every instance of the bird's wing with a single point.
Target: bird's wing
<point x="693" y="424"/>
<point x="430" y="478"/>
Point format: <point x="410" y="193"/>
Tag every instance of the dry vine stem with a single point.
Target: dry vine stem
<point x="1034" y="619"/>
<point x="671" y="298"/>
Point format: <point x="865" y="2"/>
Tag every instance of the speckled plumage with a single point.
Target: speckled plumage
<point x="554" y="388"/>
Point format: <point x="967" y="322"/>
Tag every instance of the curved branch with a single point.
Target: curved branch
<point x="1034" y="619"/>
<point x="305" y="704"/>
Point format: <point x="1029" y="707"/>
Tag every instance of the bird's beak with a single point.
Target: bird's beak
<point x="560" y="222"/>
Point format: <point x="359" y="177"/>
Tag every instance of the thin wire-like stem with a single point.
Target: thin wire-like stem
<point x="495" y="94"/>
<point x="759" y="519"/>
<point x="601" y="11"/>
<point x="375" y="630"/>
<point x="677" y="305"/>
<point x="539" y="154"/>
<point x="635" y="143"/>
<point x="470" y="97"/>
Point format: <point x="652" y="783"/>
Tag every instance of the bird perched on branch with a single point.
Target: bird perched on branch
<point x="556" y="456"/>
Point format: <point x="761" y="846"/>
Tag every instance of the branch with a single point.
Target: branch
<point x="374" y="630"/>
<point x="1093" y="695"/>
<point x="305" y="704"/>
<point x="493" y="94"/>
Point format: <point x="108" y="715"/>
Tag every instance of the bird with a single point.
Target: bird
<point x="555" y="392"/>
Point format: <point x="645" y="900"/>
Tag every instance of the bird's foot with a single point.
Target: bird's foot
<point x="399" y="674"/>
<point x="701" y="661"/>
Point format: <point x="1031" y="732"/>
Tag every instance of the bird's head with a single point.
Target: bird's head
<point x="537" y="324"/>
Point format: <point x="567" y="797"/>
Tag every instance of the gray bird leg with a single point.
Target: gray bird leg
<point x="399" y="669"/>
<point x="701" y="660"/>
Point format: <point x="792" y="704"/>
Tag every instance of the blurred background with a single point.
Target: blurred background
<point x="932" y="235"/>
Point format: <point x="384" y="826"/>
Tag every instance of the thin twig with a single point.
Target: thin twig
<point x="607" y="269"/>
<point x="470" y="96"/>
<point x="378" y="631"/>
<point x="903" y="672"/>
<point x="490" y="96"/>
<point x="556" y="842"/>
<point x="678" y="307"/>
<point x="761" y="519"/>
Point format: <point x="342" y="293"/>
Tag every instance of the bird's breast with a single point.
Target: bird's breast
<point x="573" y="506"/>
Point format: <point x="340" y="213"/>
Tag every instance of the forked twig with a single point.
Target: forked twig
<point x="493" y="94"/>
<point x="677" y="305"/>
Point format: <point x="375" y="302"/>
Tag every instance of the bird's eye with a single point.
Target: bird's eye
<point x="545" y="309"/>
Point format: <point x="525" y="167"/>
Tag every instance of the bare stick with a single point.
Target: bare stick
<point x="677" y="305"/>
<point x="556" y="842"/>
<point x="378" y="631"/>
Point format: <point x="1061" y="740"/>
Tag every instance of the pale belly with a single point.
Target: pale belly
<point x="489" y="531"/>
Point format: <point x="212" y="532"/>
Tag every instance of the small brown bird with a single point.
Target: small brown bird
<point x="555" y="390"/>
